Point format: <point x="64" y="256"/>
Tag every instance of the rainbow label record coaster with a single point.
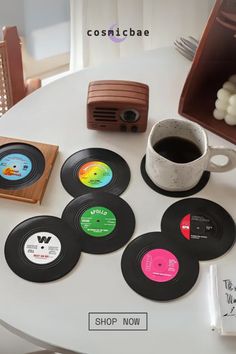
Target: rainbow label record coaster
<point x="103" y="222"/>
<point x="42" y="249"/>
<point x="20" y="165"/>
<point x="95" y="170"/>
<point x="200" y="226"/>
<point x="158" y="269"/>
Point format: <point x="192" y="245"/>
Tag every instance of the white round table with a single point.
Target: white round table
<point x="55" y="315"/>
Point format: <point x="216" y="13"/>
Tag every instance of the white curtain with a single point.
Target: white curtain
<point x="165" y="20"/>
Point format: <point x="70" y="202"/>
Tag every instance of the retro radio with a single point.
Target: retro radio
<point x="117" y="105"/>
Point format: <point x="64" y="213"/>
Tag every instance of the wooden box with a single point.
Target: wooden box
<point x="214" y="63"/>
<point x="117" y="106"/>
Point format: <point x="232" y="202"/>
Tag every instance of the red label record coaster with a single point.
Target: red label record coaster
<point x="202" y="227"/>
<point x="157" y="268"/>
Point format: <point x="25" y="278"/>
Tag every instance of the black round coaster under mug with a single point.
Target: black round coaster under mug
<point x="174" y="194"/>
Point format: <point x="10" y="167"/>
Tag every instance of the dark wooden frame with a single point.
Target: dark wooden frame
<point x="214" y="62"/>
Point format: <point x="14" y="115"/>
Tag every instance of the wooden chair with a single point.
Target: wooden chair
<point x="12" y="84"/>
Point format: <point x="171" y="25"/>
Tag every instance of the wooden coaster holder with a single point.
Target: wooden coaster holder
<point x="34" y="193"/>
<point x="214" y="63"/>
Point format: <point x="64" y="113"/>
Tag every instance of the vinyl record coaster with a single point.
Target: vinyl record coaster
<point x="42" y="249"/>
<point x="201" y="226"/>
<point x="174" y="194"/>
<point x="95" y="170"/>
<point x="20" y="165"/>
<point x="103" y="222"/>
<point x="158" y="269"/>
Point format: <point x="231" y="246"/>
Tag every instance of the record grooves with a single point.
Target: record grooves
<point x="95" y="170"/>
<point x="201" y="227"/>
<point x="158" y="269"/>
<point x="103" y="222"/>
<point x="21" y="165"/>
<point x="42" y="249"/>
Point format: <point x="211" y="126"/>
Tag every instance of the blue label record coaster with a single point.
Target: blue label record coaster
<point x="20" y="165"/>
<point x="25" y="168"/>
<point x="14" y="167"/>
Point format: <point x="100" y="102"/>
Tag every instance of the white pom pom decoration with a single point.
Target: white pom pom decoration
<point x="231" y="110"/>
<point x="223" y="95"/>
<point x="225" y="105"/>
<point x="219" y="114"/>
<point x="229" y="86"/>
<point x="231" y="120"/>
<point x="221" y="105"/>
<point x="232" y="100"/>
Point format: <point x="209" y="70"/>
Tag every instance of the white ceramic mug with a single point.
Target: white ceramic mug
<point x="172" y="176"/>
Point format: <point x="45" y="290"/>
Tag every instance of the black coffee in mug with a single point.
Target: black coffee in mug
<point x="178" y="150"/>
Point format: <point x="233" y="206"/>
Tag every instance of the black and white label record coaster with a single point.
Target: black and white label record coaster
<point x="42" y="249"/>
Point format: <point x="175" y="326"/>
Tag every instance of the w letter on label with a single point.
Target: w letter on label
<point x="43" y="239"/>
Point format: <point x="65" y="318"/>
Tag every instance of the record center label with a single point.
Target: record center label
<point x="42" y="248"/>
<point x="14" y="167"/>
<point x="160" y="265"/>
<point x="197" y="227"/>
<point x="98" y="221"/>
<point x="95" y="174"/>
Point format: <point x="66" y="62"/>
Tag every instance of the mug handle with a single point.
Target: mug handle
<point x="230" y="153"/>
